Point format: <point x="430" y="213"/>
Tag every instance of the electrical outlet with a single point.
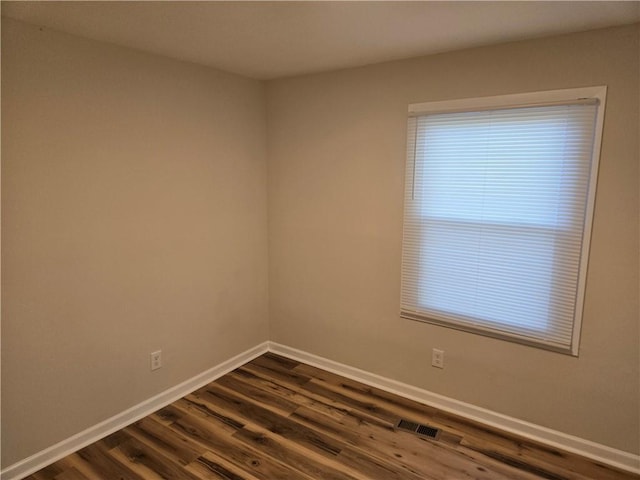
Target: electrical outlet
<point x="156" y="360"/>
<point x="437" y="358"/>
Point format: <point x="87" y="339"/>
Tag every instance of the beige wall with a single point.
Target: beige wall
<point x="133" y="219"/>
<point x="336" y="162"/>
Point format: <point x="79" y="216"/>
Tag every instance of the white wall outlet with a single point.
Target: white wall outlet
<point x="437" y="358"/>
<point x="156" y="359"/>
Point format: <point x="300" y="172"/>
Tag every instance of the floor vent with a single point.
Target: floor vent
<point x="418" y="429"/>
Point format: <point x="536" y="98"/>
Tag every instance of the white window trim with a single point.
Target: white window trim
<point x="540" y="98"/>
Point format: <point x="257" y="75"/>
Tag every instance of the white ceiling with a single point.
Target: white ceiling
<point x="275" y="39"/>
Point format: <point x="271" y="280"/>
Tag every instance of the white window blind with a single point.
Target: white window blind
<point x="498" y="205"/>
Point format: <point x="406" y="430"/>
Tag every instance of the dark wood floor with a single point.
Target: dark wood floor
<point x="275" y="418"/>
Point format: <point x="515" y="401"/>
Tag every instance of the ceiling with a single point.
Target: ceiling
<point x="270" y="39"/>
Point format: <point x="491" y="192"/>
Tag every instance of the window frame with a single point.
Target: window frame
<point x="519" y="100"/>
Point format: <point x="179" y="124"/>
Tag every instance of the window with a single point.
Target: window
<point x="499" y="198"/>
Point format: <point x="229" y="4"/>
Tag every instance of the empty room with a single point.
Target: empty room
<point x="320" y="240"/>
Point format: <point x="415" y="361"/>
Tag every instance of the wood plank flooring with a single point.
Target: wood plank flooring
<point x="275" y="418"/>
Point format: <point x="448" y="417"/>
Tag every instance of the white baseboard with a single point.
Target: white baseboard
<point x="601" y="453"/>
<point x="45" y="457"/>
